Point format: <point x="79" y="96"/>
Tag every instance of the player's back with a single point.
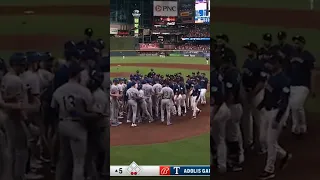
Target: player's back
<point x="12" y="88"/>
<point x="167" y="93"/>
<point x="157" y="88"/>
<point x="148" y="90"/>
<point x="69" y="96"/>
<point x="45" y="78"/>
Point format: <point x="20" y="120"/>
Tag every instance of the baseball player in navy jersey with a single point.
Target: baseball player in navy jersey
<point x="189" y="84"/>
<point x="204" y="85"/>
<point x="232" y="84"/>
<point x="284" y="51"/>
<point x="195" y="98"/>
<point x="219" y="115"/>
<point x="253" y="80"/>
<point x="267" y="50"/>
<point x="301" y="66"/>
<point x="274" y="108"/>
<point x="183" y="93"/>
<point x="177" y="97"/>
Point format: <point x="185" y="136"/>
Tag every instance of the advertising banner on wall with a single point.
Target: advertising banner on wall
<point x="113" y="30"/>
<point x="165" y="8"/>
<point x="149" y="46"/>
<point x="186" y="11"/>
<point x="202" y="10"/>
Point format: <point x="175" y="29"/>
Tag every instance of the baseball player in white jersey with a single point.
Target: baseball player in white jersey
<point x="148" y="93"/>
<point x="114" y="103"/>
<point x="133" y="95"/>
<point x="73" y="101"/>
<point x="157" y="97"/>
<point x="166" y="103"/>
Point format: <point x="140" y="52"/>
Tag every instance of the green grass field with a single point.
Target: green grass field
<point x="285" y="4"/>
<point x="188" y="151"/>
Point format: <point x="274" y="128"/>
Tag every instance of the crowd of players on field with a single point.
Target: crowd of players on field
<point x="271" y="85"/>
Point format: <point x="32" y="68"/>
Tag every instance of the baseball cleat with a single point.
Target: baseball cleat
<point x="266" y="175"/>
<point x="194" y="117"/>
<point x="162" y="121"/>
<point x="168" y="124"/>
<point x="199" y="112"/>
<point x="128" y="121"/>
<point x="284" y="162"/>
<point x="133" y="125"/>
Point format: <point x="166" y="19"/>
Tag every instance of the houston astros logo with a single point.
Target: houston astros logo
<point x="158" y="8"/>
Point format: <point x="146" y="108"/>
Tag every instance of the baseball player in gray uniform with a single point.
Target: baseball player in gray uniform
<point x="72" y="100"/>
<point x="142" y="106"/>
<point x="166" y="102"/>
<point x="14" y="93"/>
<point x="148" y="92"/>
<point x="97" y="129"/>
<point x="32" y="83"/>
<point x="133" y="95"/>
<point x="114" y="103"/>
<point x="157" y="97"/>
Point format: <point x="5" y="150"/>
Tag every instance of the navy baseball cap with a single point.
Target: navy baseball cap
<point x="299" y="39"/>
<point x="251" y="46"/>
<point x="281" y="35"/>
<point x="267" y="37"/>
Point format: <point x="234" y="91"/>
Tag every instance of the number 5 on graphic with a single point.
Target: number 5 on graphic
<point x="69" y="102"/>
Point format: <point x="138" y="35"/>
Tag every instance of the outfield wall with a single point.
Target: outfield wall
<point x="173" y="53"/>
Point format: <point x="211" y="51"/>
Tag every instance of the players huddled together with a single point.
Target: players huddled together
<point x="251" y="104"/>
<point x="55" y="112"/>
<point x="154" y="97"/>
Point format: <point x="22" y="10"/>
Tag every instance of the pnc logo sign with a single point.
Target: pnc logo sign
<point x="165" y="8"/>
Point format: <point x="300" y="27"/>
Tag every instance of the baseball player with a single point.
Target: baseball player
<point x="32" y="82"/>
<point x="96" y="129"/>
<point x="274" y="108"/>
<point x="189" y="84"/>
<point x="221" y="48"/>
<point x="195" y="97"/>
<point x="267" y="50"/>
<point x="114" y="102"/>
<point x="183" y="93"/>
<point x="220" y="113"/>
<point x="142" y="106"/>
<point x="72" y="100"/>
<point x="204" y="85"/>
<point x="157" y="97"/>
<point x="254" y="76"/>
<point x="284" y="51"/>
<point x="14" y="94"/>
<point x="148" y="93"/>
<point x="133" y="96"/>
<point x="166" y="102"/>
<point x="177" y="97"/>
<point x="301" y="66"/>
<point x="232" y="83"/>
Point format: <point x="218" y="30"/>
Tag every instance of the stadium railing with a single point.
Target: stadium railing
<point x="154" y="52"/>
